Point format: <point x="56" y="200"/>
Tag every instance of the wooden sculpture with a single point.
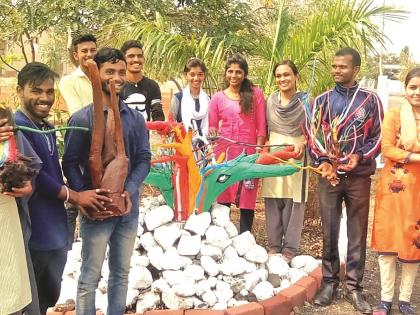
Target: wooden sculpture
<point x="108" y="163"/>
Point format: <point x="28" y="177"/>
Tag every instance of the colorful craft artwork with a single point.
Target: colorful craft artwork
<point x="190" y="179"/>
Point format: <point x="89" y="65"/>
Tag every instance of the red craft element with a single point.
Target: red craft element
<point x="270" y="158"/>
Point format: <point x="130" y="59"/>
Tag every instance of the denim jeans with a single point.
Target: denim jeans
<point x="119" y="233"/>
<point x="48" y="267"/>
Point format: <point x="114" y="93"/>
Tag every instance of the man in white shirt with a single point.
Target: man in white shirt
<point x="76" y="87"/>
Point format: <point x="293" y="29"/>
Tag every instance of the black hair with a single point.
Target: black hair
<point x="107" y="54"/>
<point x="195" y="62"/>
<point x="34" y="74"/>
<point x="348" y="51"/>
<point x="82" y="39"/>
<point x="414" y="73"/>
<point x="131" y="44"/>
<point x="246" y="97"/>
<point x="286" y="62"/>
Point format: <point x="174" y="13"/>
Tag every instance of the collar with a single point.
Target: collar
<point x="79" y="72"/>
<point x="122" y="105"/>
<point x="346" y="90"/>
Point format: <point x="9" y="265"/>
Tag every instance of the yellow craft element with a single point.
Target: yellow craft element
<point x="183" y="147"/>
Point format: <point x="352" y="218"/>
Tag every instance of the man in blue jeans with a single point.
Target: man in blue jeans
<point x="117" y="232"/>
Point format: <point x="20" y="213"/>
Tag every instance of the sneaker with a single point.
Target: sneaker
<point x="406" y="308"/>
<point x="384" y="308"/>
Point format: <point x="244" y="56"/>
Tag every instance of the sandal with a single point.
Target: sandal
<point x="384" y="308"/>
<point x="406" y="308"/>
<point x="70" y="305"/>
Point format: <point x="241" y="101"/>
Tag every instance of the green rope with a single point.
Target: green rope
<point x="25" y="128"/>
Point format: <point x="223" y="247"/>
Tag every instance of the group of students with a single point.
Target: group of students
<point x="236" y="115"/>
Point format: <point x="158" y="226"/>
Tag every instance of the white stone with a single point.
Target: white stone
<point x="175" y="302"/>
<point x="132" y="296"/>
<point x="140" y="229"/>
<point x="199" y="304"/>
<point x="243" y="242"/>
<point x="236" y="284"/>
<point x="140" y="277"/>
<point x="166" y="235"/>
<point x="257" y="254"/>
<point x="212" y="282"/>
<point x="223" y="291"/>
<point x="139" y="260"/>
<point x="305" y="263"/>
<point x="209" y="265"/>
<point x="285" y="283"/>
<point x="147" y="301"/>
<point x="253" y="278"/>
<point x="173" y="277"/>
<point x="277" y="265"/>
<point x="198" y="223"/>
<point x="155" y="256"/>
<point x="194" y="272"/>
<point x="101" y="300"/>
<point x="249" y="267"/>
<point x="263" y="290"/>
<point x="210" y="298"/>
<point x="171" y="260"/>
<point x="221" y="305"/>
<point x="210" y="250"/>
<point x="149" y="203"/>
<point x="158" y="216"/>
<point x="311" y="266"/>
<point x="233" y="267"/>
<point x="189" y="245"/>
<point x="147" y="241"/>
<point x="231" y="230"/>
<point x="217" y="236"/>
<point x="220" y="215"/>
<point x="161" y="200"/>
<point x="295" y="274"/>
<point x="202" y="286"/>
<point x="230" y="253"/>
<point x="141" y="218"/>
<point x="184" y="289"/>
<point x="160" y="285"/>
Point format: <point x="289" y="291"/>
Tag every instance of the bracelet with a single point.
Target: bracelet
<point x="67" y="194"/>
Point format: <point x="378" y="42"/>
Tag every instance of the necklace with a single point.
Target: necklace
<point x="48" y="138"/>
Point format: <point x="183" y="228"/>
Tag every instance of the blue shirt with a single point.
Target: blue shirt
<point x="136" y="143"/>
<point x="47" y="213"/>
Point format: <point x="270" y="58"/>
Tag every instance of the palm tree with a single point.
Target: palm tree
<point x="308" y="36"/>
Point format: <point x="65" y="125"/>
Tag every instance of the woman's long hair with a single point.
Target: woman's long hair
<point x="246" y="100"/>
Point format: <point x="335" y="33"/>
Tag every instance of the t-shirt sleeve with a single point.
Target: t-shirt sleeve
<point x="156" y="110"/>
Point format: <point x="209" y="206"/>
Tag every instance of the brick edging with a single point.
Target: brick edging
<point x="296" y="295"/>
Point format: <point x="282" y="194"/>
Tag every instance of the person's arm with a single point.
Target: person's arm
<point x="173" y="109"/>
<point x="214" y="116"/>
<point x="156" y="111"/>
<point x="140" y="164"/>
<point x="69" y="94"/>
<point x="372" y="144"/>
<point x="260" y="113"/>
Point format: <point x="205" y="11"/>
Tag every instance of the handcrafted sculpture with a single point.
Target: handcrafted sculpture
<point x="14" y="167"/>
<point x="188" y="188"/>
<point x="108" y="163"/>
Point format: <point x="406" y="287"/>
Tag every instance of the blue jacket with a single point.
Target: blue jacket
<point x="136" y="142"/>
<point x="47" y="213"/>
<point x="364" y="108"/>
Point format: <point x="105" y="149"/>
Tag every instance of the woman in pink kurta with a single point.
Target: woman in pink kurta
<point x="238" y="113"/>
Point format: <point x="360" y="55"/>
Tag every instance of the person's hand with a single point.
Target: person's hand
<point x="299" y="150"/>
<point x="353" y="160"/>
<point x="6" y="131"/>
<point x="327" y="170"/>
<point x="211" y="134"/>
<point x="92" y="199"/>
<point x="128" y="204"/>
<point x="20" y="192"/>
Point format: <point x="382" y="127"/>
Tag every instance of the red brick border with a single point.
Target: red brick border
<point x="281" y="304"/>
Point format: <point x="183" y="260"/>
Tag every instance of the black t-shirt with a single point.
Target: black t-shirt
<point x="145" y="97"/>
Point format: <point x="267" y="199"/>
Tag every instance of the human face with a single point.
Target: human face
<point x="37" y="100"/>
<point x="113" y="71"/>
<point x="412" y="92"/>
<point x="285" y="79"/>
<point x="85" y="51"/>
<point x="195" y="77"/>
<point x="235" y="75"/>
<point x="135" y="60"/>
<point x="343" y="71"/>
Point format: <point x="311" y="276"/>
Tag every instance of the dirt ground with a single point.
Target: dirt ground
<point x="311" y="244"/>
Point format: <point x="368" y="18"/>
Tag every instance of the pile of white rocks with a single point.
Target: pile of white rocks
<point x="203" y="264"/>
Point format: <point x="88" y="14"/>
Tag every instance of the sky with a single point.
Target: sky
<point x="404" y="33"/>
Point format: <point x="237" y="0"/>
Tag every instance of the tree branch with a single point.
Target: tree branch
<point x="7" y="64"/>
<point x="23" y="48"/>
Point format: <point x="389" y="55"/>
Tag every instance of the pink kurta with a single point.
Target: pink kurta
<point x="226" y="117"/>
